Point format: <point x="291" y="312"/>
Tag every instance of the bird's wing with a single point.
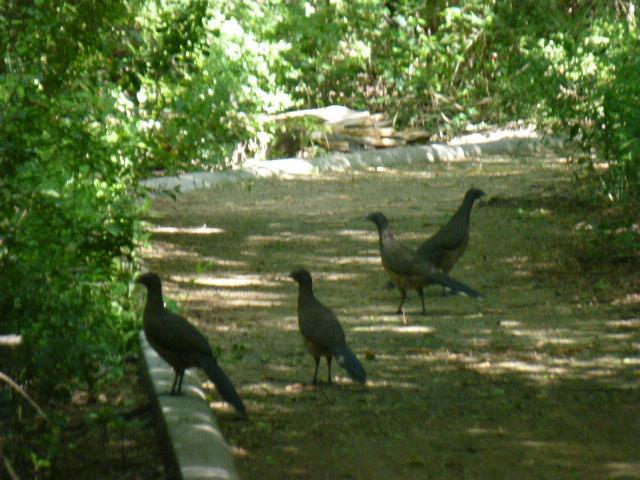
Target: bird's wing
<point x="175" y="333"/>
<point x="398" y="258"/>
<point x="449" y="237"/>
<point x="320" y="325"/>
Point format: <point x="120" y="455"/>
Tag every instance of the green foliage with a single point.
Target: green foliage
<point x="431" y="64"/>
<point x="208" y="76"/>
<point x="67" y="220"/>
<point x="577" y="65"/>
<point x="424" y="64"/>
<point x="66" y="214"/>
<point x="617" y="131"/>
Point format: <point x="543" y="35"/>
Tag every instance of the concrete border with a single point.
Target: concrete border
<point x="193" y="445"/>
<point x="504" y="143"/>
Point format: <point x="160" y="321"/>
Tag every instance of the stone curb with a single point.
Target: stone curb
<point x="290" y="167"/>
<point x="193" y="445"/>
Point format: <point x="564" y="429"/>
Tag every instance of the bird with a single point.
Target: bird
<point x="182" y="345"/>
<point x="446" y="246"/>
<point x="321" y="331"/>
<point x="406" y="269"/>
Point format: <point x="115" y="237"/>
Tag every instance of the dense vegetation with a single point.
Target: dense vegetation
<point x="95" y="95"/>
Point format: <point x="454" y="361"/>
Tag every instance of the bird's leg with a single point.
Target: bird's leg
<point x="403" y="297"/>
<point x="421" y="295"/>
<point x="329" y="367"/>
<point x="315" y="374"/>
<point x="175" y="382"/>
<point x="180" y="382"/>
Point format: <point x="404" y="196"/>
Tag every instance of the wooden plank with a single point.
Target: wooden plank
<point x="331" y="114"/>
<point x="383" y="123"/>
<point x="364" y="131"/>
<point x="338" y="146"/>
<point x="368" y="141"/>
<point x="413" y="135"/>
<point x="369" y="120"/>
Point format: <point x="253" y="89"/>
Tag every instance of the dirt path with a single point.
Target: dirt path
<point x="539" y="380"/>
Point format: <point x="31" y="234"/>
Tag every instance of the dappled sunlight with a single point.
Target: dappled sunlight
<point x="225" y="298"/>
<point x="285" y="237"/>
<point x="226" y="328"/>
<point x="359" y="235"/>
<point x="161" y="250"/>
<point x="166" y="251"/>
<point x="201" y="230"/>
<point x="217" y="262"/>
<point x="345" y="260"/>
<point x="543" y="368"/>
<point x="335" y="276"/>
<point x="385" y="383"/>
<point x="280" y="368"/>
<point x="540" y="212"/>
<point x="285" y="388"/>
<point x="631" y="324"/>
<point x="226" y="280"/>
<point x="628" y="299"/>
<point x="516" y="261"/>
<point x="284" y="322"/>
<point x="477" y="431"/>
<point x="535" y="371"/>
<point x="411" y="329"/>
<point x="556" y="446"/>
<point x="319" y="277"/>
<point x="477" y="342"/>
<point x="523" y="273"/>
<point x="547" y="336"/>
<point x="618" y="336"/>
<point x="623" y="470"/>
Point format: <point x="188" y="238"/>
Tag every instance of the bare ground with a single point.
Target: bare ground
<point x="539" y="380"/>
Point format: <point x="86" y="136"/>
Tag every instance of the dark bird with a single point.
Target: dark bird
<point x="181" y="345"/>
<point x="322" y="332"/>
<point x="446" y="246"/>
<point x="406" y="269"/>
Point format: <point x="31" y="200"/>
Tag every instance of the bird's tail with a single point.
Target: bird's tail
<point x="347" y="360"/>
<point x="459" y="287"/>
<point x="222" y="382"/>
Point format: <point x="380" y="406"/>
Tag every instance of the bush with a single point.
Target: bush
<point x="578" y="67"/>
<point x="67" y="221"/>
<point x="208" y="80"/>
